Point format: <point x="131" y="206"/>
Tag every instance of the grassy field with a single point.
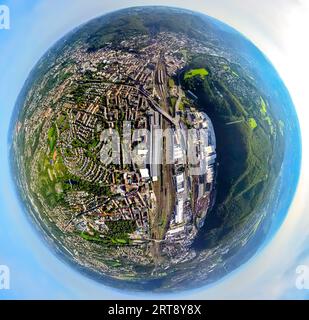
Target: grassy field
<point x="202" y="72"/>
<point x="52" y="138"/>
<point x="252" y="123"/>
<point x="171" y="83"/>
<point x="51" y="174"/>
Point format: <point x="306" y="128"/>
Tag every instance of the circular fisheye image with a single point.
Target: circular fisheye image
<point x="155" y="149"/>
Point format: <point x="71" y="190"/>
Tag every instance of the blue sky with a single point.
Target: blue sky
<point x="35" y="271"/>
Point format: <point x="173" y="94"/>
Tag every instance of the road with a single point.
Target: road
<point x="234" y="122"/>
<point x="157" y="108"/>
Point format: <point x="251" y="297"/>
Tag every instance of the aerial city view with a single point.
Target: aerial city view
<point x="148" y="149"/>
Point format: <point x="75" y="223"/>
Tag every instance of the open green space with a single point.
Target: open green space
<point x="51" y="173"/>
<point x="252" y="123"/>
<point x="52" y="137"/>
<point x="171" y="83"/>
<point x="118" y="233"/>
<point x="201" y="72"/>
